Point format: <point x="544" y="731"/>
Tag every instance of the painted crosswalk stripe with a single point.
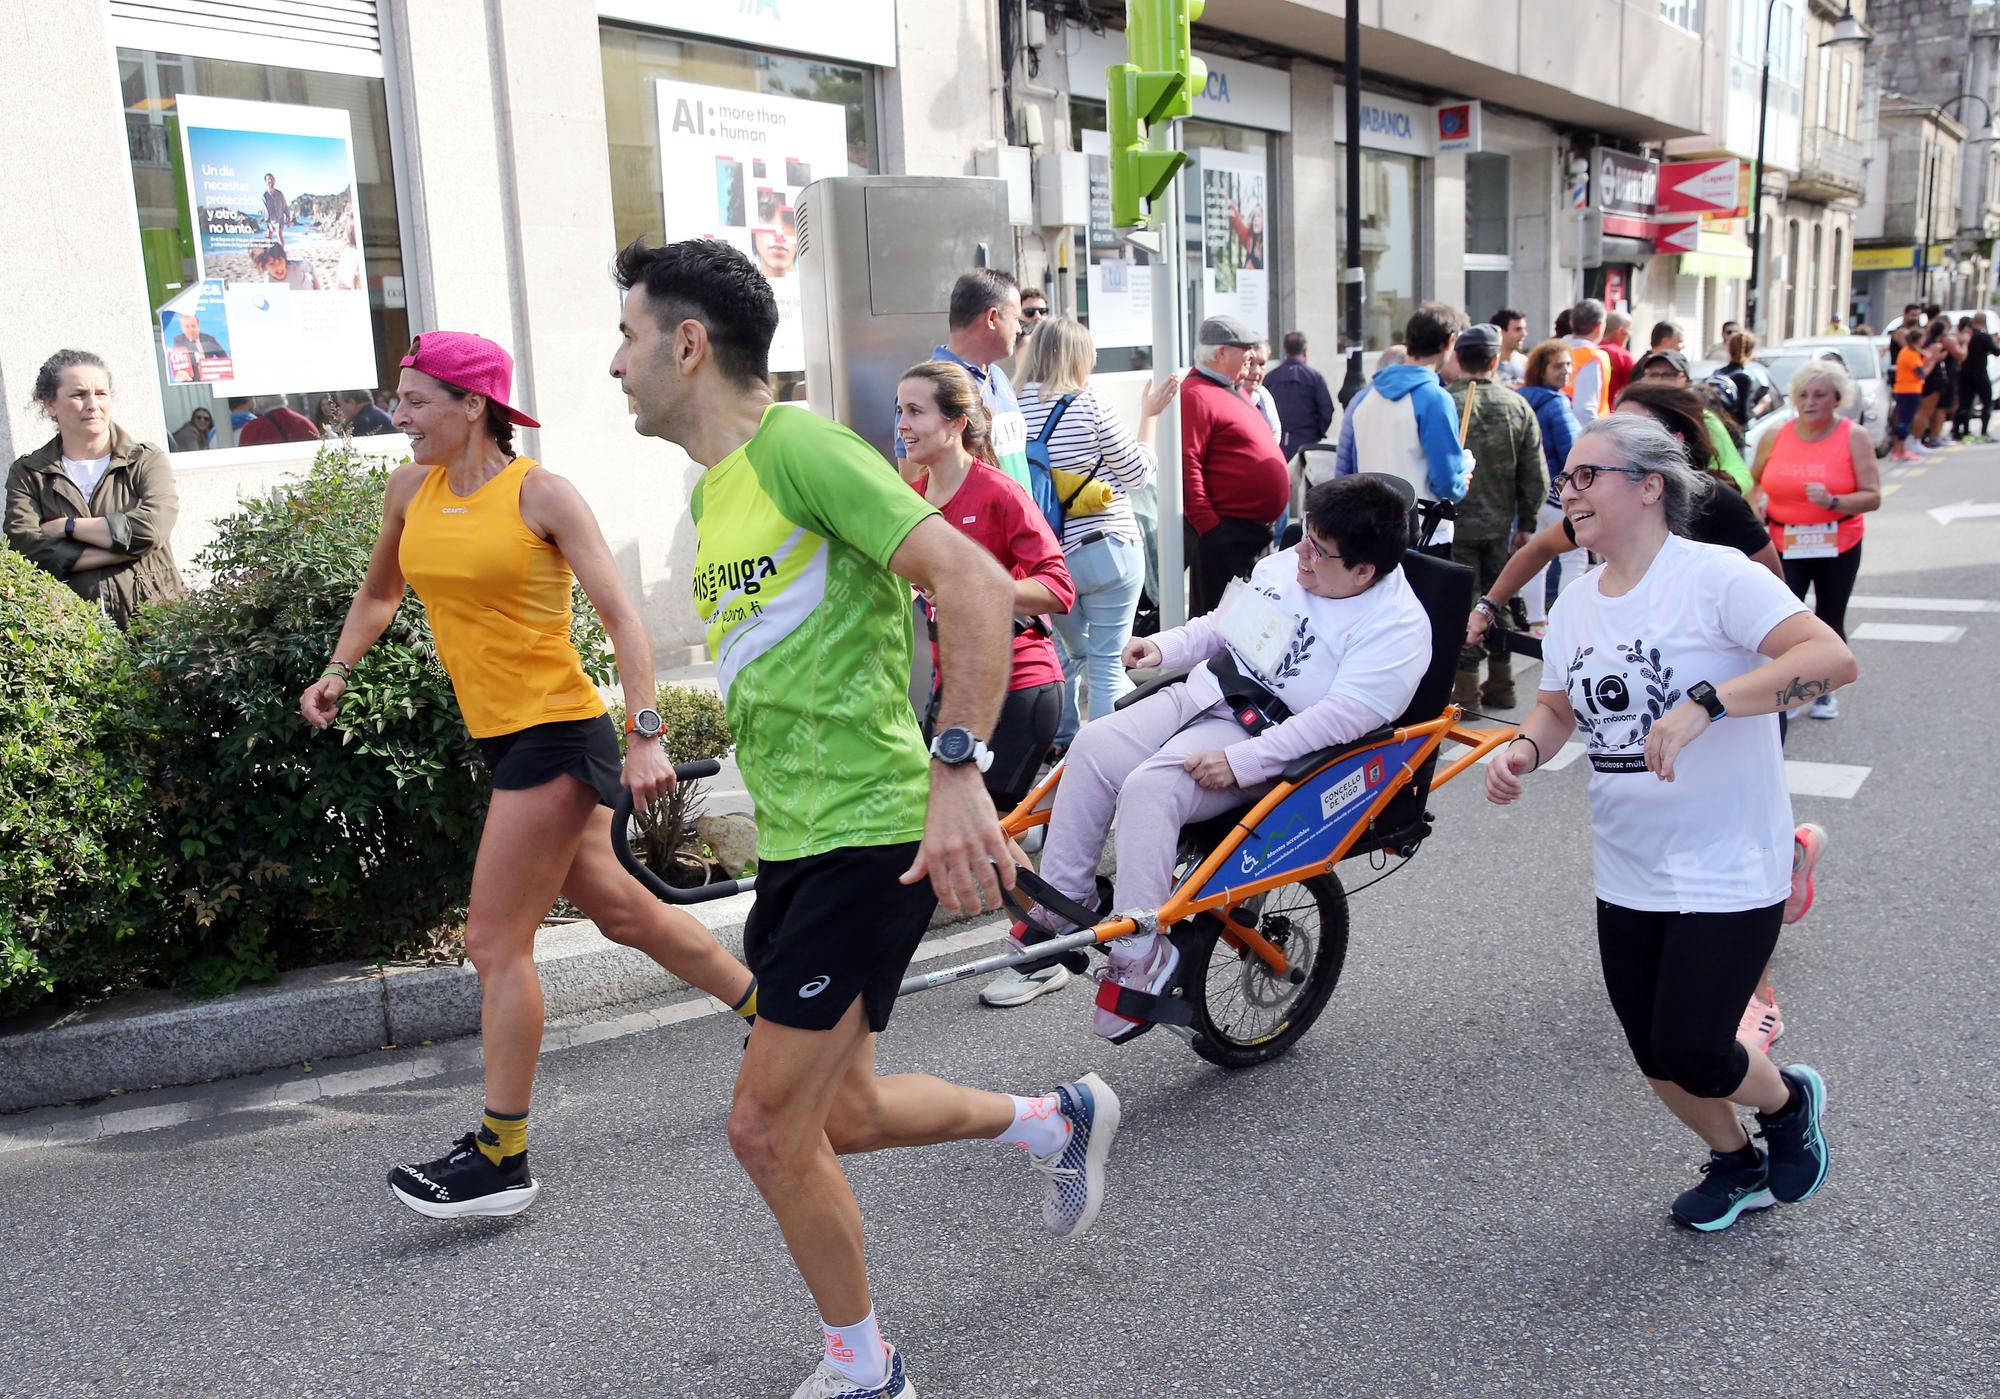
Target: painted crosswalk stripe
<point x="1906" y="631"/>
<point x="1924" y="604"/>
<point x="1824" y="779"/>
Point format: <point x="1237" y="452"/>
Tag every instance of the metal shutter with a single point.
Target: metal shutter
<point x="1687" y="302"/>
<point x="347" y="24"/>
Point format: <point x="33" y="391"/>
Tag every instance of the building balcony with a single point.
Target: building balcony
<point x="1830" y="166"/>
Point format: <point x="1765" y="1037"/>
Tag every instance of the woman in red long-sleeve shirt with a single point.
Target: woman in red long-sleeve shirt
<point x="942" y="424"/>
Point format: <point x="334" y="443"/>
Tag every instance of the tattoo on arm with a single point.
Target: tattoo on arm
<point x="1800" y="691"/>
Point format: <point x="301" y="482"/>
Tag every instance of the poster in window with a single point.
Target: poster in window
<point x="195" y="338"/>
<point x="756" y="153"/>
<point x="1235" y="243"/>
<point x="278" y="225"/>
<point x="1119" y="274"/>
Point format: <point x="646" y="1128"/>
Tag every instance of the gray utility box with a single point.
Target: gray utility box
<point x="877" y="255"/>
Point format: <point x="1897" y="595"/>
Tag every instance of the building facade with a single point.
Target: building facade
<point x="473" y="164"/>
<point x="1933" y="207"/>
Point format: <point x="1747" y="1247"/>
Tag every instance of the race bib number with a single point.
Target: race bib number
<point x="1009" y="433"/>
<point x="1811" y="541"/>
<point x="1255" y="628"/>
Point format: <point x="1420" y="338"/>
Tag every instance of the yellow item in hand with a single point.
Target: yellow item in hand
<point x="1092" y="499"/>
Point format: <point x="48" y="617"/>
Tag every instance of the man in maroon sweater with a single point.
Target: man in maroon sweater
<point x="1233" y="479"/>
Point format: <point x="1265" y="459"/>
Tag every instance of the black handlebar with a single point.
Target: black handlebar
<point x="621" y="821"/>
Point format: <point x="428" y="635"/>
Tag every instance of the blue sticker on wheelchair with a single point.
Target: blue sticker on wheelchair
<point x="1302" y="831"/>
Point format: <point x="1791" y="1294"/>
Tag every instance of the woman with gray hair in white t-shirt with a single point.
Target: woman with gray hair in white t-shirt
<point x="1674" y="658"/>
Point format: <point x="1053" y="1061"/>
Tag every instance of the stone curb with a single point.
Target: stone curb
<point x="159" y="1040"/>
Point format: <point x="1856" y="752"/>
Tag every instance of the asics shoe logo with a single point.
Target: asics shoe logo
<point x="814" y="987"/>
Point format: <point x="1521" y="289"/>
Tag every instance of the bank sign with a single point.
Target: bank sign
<point x="1238" y="93"/>
<point x="1623" y="184"/>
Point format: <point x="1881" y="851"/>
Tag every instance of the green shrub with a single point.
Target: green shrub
<point x="693" y="725"/>
<point x="287" y="845"/>
<point x="78" y="868"/>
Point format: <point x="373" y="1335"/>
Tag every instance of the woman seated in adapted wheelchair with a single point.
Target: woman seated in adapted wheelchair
<point x="1325" y="643"/>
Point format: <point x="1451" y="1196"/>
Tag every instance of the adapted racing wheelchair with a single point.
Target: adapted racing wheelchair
<point x="1259" y="913"/>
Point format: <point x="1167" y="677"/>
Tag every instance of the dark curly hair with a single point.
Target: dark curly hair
<point x="707" y="280"/>
<point x="49" y="378"/>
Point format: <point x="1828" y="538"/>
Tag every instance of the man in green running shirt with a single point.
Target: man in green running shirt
<point x="808" y="544"/>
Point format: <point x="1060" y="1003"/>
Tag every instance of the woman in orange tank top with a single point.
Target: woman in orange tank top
<point x="491" y="542"/>
<point x="1818" y="477"/>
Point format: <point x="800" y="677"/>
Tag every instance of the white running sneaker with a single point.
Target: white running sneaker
<point x="1015" y="987"/>
<point x="828" y="1383"/>
<point x="1152" y="973"/>
<point x="1076" y="1173"/>
<point x="1825" y="707"/>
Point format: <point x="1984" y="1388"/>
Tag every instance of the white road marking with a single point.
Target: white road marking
<point x="1924" y="604"/>
<point x="1824" y="779"/>
<point x="1905" y="631"/>
<point x="1891" y="488"/>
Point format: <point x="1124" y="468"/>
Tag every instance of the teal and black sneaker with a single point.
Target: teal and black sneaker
<point x="1728" y="1188"/>
<point x="1799" y="1157"/>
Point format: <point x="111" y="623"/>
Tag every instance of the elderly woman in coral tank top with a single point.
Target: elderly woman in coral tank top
<point x="1818" y="478"/>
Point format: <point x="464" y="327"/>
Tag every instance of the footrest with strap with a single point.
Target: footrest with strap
<point x="1143" y="1006"/>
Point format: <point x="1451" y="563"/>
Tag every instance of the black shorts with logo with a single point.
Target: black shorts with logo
<point x="828" y="928"/>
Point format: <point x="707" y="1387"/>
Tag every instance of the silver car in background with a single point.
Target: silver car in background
<point x="1862" y="357"/>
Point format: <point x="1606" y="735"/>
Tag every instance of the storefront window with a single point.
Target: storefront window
<point x="1391" y="236"/>
<point x="754" y="187"/>
<point x="272" y="242"/>
<point x="1228" y="200"/>
<point x="1489" y="261"/>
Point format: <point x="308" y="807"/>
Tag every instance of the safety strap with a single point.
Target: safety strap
<point x="1047" y="896"/>
<point x="1143" y="1006"/>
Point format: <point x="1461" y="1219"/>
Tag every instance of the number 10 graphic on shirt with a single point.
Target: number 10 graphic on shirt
<point x="1617" y="708"/>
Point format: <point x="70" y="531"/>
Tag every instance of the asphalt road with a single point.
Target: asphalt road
<point x="1455" y="1186"/>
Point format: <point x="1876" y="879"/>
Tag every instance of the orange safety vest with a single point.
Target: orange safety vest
<point x="1580" y="348"/>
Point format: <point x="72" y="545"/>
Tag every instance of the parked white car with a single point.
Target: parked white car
<point x="1863" y="359"/>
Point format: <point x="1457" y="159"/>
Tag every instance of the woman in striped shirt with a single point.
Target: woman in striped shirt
<point x="1104" y="550"/>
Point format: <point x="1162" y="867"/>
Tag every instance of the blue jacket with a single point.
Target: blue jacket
<point x="1559" y="426"/>
<point x="1436" y="427"/>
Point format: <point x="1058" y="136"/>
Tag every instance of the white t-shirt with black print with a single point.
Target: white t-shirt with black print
<point x="1718" y="838"/>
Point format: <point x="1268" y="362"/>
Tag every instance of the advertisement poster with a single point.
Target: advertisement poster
<point x="1234" y="241"/>
<point x="1119" y="276"/>
<point x="194" y="336"/>
<point x="732" y="164"/>
<point x="273" y="192"/>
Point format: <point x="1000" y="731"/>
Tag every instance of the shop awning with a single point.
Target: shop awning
<point x="1718" y="255"/>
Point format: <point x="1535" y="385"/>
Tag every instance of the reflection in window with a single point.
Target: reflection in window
<point x="151" y="84"/>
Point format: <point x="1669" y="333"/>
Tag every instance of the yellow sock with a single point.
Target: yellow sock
<point x="502" y="1135"/>
<point x="747" y="1007"/>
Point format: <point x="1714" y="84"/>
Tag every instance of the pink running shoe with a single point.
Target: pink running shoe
<point x="1152" y="973"/>
<point x="1808" y="841"/>
<point x="1761" y="1023"/>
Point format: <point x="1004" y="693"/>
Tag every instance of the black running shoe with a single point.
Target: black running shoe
<point x="1799" y="1158"/>
<point x="463" y="1182"/>
<point x="1728" y="1188"/>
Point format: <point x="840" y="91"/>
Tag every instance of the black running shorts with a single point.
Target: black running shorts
<point x="586" y="749"/>
<point x="828" y="928"/>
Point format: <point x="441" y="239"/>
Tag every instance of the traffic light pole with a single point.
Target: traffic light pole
<point x="1169" y="336"/>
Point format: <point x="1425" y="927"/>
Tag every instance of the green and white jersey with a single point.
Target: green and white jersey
<point x="810" y="632"/>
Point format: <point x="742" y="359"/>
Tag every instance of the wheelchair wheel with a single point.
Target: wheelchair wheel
<point x="1244" y="1015"/>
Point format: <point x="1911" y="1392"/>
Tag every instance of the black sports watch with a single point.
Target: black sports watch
<point x="644" y="724"/>
<point x="1703" y="694"/>
<point x="956" y="747"/>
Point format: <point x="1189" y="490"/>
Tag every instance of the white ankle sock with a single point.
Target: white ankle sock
<point x="856" y="1351"/>
<point x="1039" y="1126"/>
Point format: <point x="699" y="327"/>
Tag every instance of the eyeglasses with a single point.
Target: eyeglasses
<point x="1583" y="477"/>
<point x="1320" y="555"/>
<point x="1033" y="313"/>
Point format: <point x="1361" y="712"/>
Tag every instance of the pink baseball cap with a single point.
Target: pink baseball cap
<point x="469" y="362"/>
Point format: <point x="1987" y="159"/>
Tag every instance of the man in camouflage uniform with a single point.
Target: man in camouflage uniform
<point x="1508" y="487"/>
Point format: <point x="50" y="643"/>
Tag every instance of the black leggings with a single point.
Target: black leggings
<point x="1974" y="385"/>
<point x="1679" y="982"/>
<point x="1831" y="581"/>
<point x="1021" y="739"/>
